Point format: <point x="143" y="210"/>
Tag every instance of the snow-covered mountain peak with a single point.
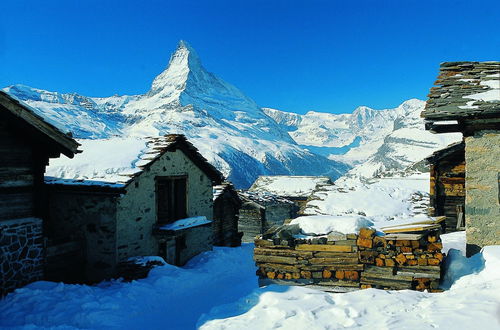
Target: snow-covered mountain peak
<point x="182" y="62"/>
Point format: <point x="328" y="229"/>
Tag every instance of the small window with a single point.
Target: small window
<point x="171" y="198"/>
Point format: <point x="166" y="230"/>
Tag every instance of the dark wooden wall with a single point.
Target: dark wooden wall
<point x="225" y="226"/>
<point x="21" y="175"/>
<point x="447" y="188"/>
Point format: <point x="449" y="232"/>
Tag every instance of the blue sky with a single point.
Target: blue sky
<point x="328" y="56"/>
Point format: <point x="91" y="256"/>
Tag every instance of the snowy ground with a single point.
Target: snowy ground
<point x="218" y="290"/>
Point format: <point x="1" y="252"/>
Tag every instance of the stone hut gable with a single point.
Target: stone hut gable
<point x="466" y="99"/>
<point x="158" y="146"/>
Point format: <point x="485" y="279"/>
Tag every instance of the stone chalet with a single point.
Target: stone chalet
<point x="295" y="188"/>
<point x="27" y="142"/>
<point x="161" y="204"/>
<point x="466" y="99"/>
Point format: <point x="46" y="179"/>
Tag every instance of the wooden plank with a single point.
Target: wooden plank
<point x="433" y="220"/>
<point x="403" y="236"/>
<point x="284" y="253"/>
<point x="396" y="285"/>
<point x="275" y="259"/>
<point x="333" y="261"/>
<point x="340" y="283"/>
<point x="323" y="247"/>
<point x="333" y="267"/>
<point x="336" y="254"/>
<point x="280" y="267"/>
<point x="411" y="228"/>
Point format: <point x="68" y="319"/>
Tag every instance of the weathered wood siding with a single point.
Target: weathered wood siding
<point x="225" y="225"/>
<point x="447" y="188"/>
<point x="17" y="173"/>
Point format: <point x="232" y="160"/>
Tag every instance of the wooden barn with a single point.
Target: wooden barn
<point x="295" y="188"/>
<point x="227" y="205"/>
<point x="26" y="144"/>
<point x="261" y="211"/>
<point x="447" y="185"/>
<point x="466" y="99"/>
<point x="154" y="199"/>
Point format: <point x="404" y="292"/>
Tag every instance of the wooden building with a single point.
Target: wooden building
<point x="447" y="185"/>
<point x="26" y="144"/>
<point x="261" y="211"/>
<point x="466" y="99"/>
<point x="227" y="205"/>
<point x="161" y="205"/>
<point x="295" y="188"/>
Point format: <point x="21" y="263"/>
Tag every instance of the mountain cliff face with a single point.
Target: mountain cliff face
<point x="374" y="142"/>
<point x="229" y="128"/>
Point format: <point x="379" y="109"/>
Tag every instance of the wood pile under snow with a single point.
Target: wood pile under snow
<point x="404" y="257"/>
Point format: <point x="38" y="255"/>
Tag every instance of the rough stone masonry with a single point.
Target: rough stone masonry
<point x="482" y="204"/>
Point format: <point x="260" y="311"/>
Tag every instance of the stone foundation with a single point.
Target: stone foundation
<point x="21" y="253"/>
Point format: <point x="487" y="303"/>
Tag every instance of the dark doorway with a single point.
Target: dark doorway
<point x="171" y="198"/>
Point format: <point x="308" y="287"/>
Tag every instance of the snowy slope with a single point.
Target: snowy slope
<point x="228" y="128"/>
<point x="374" y="141"/>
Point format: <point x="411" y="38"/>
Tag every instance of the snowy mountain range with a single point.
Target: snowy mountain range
<point x="237" y="136"/>
<point x="373" y="142"/>
<point x="229" y="128"/>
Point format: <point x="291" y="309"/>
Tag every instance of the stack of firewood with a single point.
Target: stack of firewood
<point x="401" y="261"/>
<point x="345" y="262"/>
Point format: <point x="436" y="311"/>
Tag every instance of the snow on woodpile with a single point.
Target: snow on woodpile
<point x="289" y="186"/>
<point x="323" y="225"/>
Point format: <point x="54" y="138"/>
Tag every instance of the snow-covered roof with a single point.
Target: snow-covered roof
<point x="219" y="190"/>
<point x="458" y="147"/>
<point x="263" y="198"/>
<point x="465" y="90"/>
<point x="289" y="186"/>
<point x="119" y="160"/>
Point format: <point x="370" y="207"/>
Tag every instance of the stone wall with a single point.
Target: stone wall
<point x="250" y="221"/>
<point x="136" y="210"/>
<point x="21" y="253"/>
<point x="482" y="205"/>
<point x="81" y="235"/>
<point x="276" y="214"/>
